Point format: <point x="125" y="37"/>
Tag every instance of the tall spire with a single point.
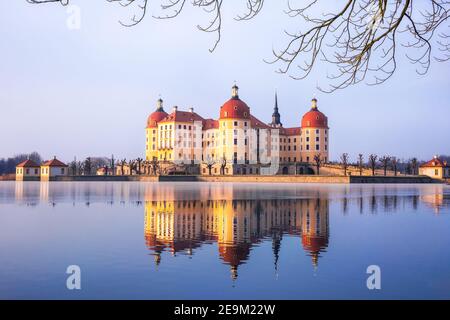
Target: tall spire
<point x="276" y="115"/>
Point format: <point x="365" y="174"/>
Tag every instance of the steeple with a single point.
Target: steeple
<point x="159" y="105"/>
<point x="276" y="115"/>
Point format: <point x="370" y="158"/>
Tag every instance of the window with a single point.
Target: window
<point x="235" y="141"/>
<point x="317" y="138"/>
<point x="245" y="123"/>
<point x="307" y="139"/>
<point x="62" y="170"/>
<point x="36" y="171"/>
<point x="235" y="123"/>
<point x="436" y="172"/>
<point x="317" y="131"/>
<point x="307" y="147"/>
<point x="27" y="171"/>
<point x="307" y="159"/>
<point x="317" y="147"/>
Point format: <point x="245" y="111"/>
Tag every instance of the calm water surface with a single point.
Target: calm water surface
<point x="223" y="240"/>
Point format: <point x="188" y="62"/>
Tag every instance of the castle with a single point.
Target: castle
<point x="238" y="142"/>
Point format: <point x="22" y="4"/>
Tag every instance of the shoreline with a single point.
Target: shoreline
<point x="252" y="178"/>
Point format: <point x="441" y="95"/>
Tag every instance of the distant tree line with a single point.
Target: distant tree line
<point x="385" y="163"/>
<point x="8" y="165"/>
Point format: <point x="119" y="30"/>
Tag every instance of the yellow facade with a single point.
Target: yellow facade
<point x="238" y="140"/>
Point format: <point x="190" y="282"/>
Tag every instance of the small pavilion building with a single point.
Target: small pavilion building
<point x="435" y="168"/>
<point x="53" y="168"/>
<point x="27" y="170"/>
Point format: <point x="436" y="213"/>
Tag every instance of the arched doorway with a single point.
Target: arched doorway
<point x="285" y="170"/>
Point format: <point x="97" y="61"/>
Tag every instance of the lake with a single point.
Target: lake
<point x="184" y="240"/>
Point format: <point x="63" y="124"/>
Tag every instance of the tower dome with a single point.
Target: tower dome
<point x="157" y="115"/>
<point x="235" y="108"/>
<point x="314" y="118"/>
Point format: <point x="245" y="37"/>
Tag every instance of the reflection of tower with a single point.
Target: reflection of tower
<point x="315" y="231"/>
<point x="277" y="236"/>
<point x="234" y="229"/>
<point x="172" y="225"/>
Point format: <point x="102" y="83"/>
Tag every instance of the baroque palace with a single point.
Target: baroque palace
<point x="238" y="142"/>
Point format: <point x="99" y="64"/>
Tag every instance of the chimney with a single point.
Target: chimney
<point x="175" y="108"/>
<point x="191" y="110"/>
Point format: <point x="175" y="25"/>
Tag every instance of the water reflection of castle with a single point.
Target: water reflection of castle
<point x="236" y="225"/>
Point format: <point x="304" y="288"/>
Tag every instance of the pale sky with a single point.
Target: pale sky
<point x="88" y="92"/>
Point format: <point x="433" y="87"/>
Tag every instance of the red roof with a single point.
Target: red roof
<point x="182" y="116"/>
<point x="155" y="117"/>
<point x="314" y="119"/>
<point x="258" y="123"/>
<point x="436" y="162"/>
<point x="290" y="131"/>
<point x="234" y="254"/>
<point x="314" y="243"/>
<point x="28" y="163"/>
<point x="210" y="124"/>
<point x="235" y="108"/>
<point x="54" y="163"/>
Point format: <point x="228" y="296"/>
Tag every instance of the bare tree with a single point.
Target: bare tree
<point x="131" y="166"/>
<point x="344" y="162"/>
<point x="223" y="165"/>
<point x="414" y="166"/>
<point x="318" y="160"/>
<point x="155" y="166"/>
<point x="385" y="163"/>
<point x="87" y="166"/>
<point x="113" y="163"/>
<point x="394" y="162"/>
<point x="359" y="39"/>
<point x="122" y="163"/>
<point x="373" y="162"/>
<point x="209" y="162"/>
<point x="360" y="163"/>
<point x="73" y="167"/>
<point x="139" y="162"/>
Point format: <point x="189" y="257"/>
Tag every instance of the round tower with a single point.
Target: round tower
<point x="314" y="138"/>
